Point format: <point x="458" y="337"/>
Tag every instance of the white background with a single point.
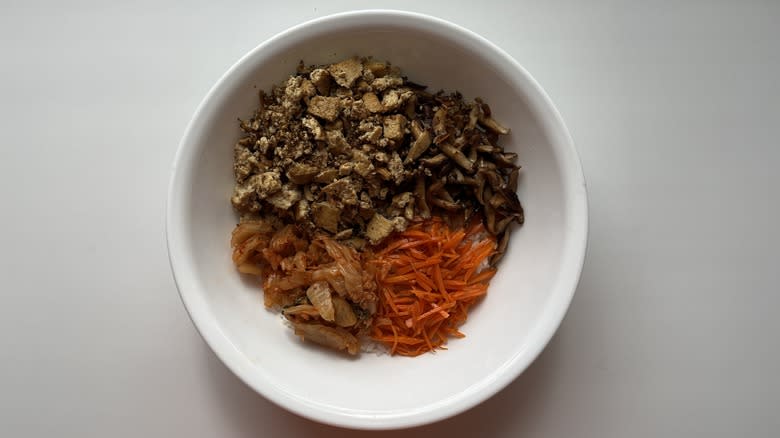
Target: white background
<point x="675" y="109"/>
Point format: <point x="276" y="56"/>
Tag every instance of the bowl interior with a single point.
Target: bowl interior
<point x="504" y="332"/>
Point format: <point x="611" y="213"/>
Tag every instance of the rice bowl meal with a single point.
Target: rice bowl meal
<point x="368" y="200"/>
<point x="372" y="209"/>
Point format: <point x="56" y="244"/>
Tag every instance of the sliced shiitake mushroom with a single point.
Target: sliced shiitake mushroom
<point x="457" y="156"/>
<point x="420" y="197"/>
<point x="436" y="160"/>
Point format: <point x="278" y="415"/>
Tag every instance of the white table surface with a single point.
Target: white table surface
<point x="673" y="331"/>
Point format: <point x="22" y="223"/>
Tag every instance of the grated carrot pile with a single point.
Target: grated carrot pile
<point x="428" y="278"/>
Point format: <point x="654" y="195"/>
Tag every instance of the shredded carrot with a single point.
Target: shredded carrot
<point x="433" y="279"/>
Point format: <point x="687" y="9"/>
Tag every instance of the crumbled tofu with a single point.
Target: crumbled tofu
<point x="358" y="110"/>
<point x="362" y="164"/>
<point x="396" y="168"/>
<point x="327" y="108"/>
<point x="372" y="103"/>
<point x="307" y="88"/>
<point x="302" y="209"/>
<point x="342" y="189"/>
<point x="346" y="168"/>
<point x="395" y="127"/>
<point x="321" y="80"/>
<point x="379" y="228"/>
<point x="266" y="184"/>
<point x="402" y="200"/>
<point x="330" y="133"/>
<point x="262" y="144"/>
<point x="314" y="127"/>
<point x="244" y="162"/>
<point x="326" y="176"/>
<point x="301" y="173"/>
<point x="383" y="83"/>
<point x="336" y="142"/>
<point x="346" y="72"/>
<point x="285" y="198"/>
<point x="399" y="223"/>
<point x="373" y="135"/>
<point x="377" y="68"/>
<point x="244" y="198"/>
<point x="393" y="99"/>
<point x="326" y="216"/>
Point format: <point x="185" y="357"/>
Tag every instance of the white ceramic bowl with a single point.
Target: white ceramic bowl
<point x="505" y="332"/>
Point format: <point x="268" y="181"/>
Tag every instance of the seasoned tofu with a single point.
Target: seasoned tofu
<point x="326" y="216"/>
<point x="379" y="228"/>
<point x="372" y="103"/>
<point x="394" y="127"/>
<point x="327" y="108"/>
<point x="346" y="72"/>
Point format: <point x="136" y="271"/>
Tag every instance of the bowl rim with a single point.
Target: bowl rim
<point x="573" y="252"/>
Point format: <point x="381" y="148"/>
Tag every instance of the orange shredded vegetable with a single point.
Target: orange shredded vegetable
<point x="428" y="278"/>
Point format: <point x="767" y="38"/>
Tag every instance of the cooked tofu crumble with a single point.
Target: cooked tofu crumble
<point x="356" y="151"/>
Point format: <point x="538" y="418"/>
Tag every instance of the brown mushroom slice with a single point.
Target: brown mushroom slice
<point x="502" y="225"/>
<point x="506" y="159"/>
<point x="417" y="128"/>
<point x="443" y="203"/>
<point x="345" y="316"/>
<point x="410" y="108"/>
<point x="493" y="179"/>
<point x="332" y="337"/>
<point x="498" y="200"/>
<point x="492" y="125"/>
<point x="457" y="156"/>
<point x="456" y="176"/>
<point x="409" y="211"/>
<point x="474" y="114"/>
<point x="490" y="219"/>
<point x="479" y="190"/>
<point x="419" y="194"/>
<point x="320" y="296"/>
<point x="488" y="149"/>
<point x="472" y="154"/>
<point x="436" y="160"/>
<point x="503" y="243"/>
<point x="384" y="174"/>
<point x="469" y="181"/>
<point x="438" y="122"/>
<point x="435" y="188"/>
<point x="419" y="146"/>
<point x="513" y="177"/>
<point x="440" y="197"/>
<point x="444" y="194"/>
